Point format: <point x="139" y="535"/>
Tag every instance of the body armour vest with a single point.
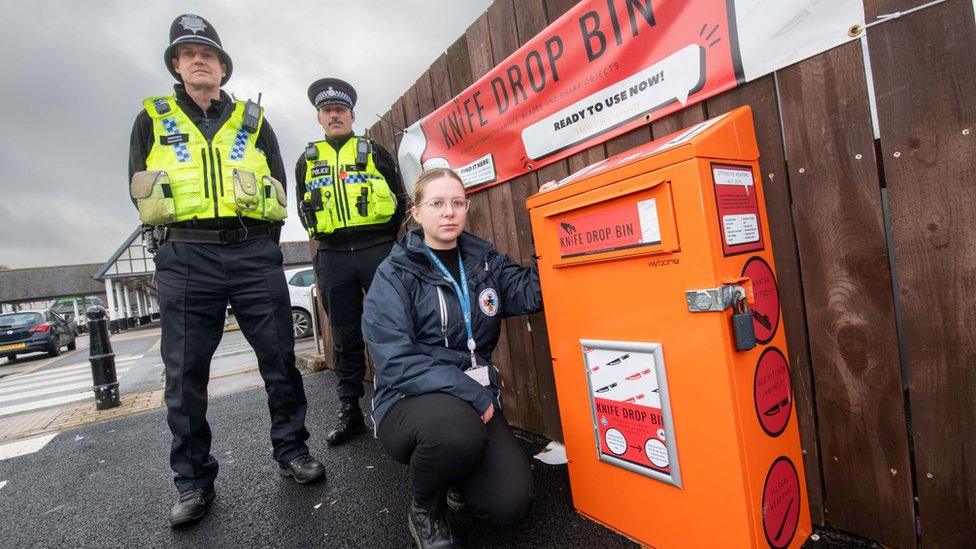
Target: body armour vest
<point x="188" y="177"/>
<point x="343" y="188"/>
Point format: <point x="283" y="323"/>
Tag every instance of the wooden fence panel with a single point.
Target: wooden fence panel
<point x="847" y="288"/>
<point x="440" y="82"/>
<point x="761" y="96"/>
<point x="925" y="84"/>
<point x="635" y="137"/>
<point x="506" y="214"/>
<point x="383" y="132"/>
<point x="398" y="119"/>
<point x="874" y="8"/>
<point x="685" y="118"/>
<point x="425" y="95"/>
<point x="481" y="223"/>
<point x="411" y="106"/>
<point x="555" y="8"/>
<point x="530" y="19"/>
<point x="459" y="65"/>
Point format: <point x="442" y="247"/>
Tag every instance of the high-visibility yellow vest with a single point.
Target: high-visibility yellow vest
<point x="187" y="177"/>
<point x="343" y="188"/>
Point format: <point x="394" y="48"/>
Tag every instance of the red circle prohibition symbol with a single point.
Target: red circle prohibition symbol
<point x="773" y="392"/>
<point x="781" y="503"/>
<point x="765" y="308"/>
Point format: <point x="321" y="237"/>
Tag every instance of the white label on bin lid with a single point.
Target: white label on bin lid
<point x="650" y="226"/>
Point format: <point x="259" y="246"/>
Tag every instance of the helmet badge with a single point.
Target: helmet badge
<point x="192" y="23"/>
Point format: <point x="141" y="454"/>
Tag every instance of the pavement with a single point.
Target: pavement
<point x="109" y="485"/>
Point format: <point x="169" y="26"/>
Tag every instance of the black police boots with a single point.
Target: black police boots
<point x="429" y="532"/>
<point x="304" y="469"/>
<point x="455" y="499"/>
<point x="191" y="506"/>
<point x="349" y="424"/>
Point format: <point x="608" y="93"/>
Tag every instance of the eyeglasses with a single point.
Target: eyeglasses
<point x="439" y="205"/>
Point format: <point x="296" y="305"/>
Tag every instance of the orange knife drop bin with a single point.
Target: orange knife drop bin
<point x="656" y="266"/>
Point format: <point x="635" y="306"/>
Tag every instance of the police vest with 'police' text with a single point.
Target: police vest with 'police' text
<point x="343" y="188"/>
<point x="188" y="177"/>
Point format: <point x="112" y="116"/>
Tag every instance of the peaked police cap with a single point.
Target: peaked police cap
<point x="189" y="28"/>
<point x="332" y="91"/>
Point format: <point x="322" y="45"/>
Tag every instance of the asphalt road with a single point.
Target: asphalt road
<point x="109" y="485"/>
<point x="36" y="382"/>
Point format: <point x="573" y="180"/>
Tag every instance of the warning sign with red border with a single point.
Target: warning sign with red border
<point x="765" y="308"/>
<point x="781" y="503"/>
<point x="738" y="209"/>
<point x="773" y="392"/>
<point x="628" y="225"/>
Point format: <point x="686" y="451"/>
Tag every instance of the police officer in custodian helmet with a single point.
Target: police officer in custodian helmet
<point x="205" y="172"/>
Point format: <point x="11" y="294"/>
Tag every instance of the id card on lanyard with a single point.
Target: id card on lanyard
<point x="464" y="297"/>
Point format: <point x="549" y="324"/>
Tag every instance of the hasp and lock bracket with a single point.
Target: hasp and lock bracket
<point x="735" y="296"/>
<point x="716" y="300"/>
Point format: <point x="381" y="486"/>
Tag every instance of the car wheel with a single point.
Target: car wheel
<point x="73" y="345"/>
<point x="54" y="351"/>
<point x="11" y="358"/>
<point x="301" y="323"/>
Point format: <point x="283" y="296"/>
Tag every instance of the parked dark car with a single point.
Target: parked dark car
<point x="34" y="331"/>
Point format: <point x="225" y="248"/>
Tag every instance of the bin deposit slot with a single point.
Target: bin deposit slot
<point x="637" y="220"/>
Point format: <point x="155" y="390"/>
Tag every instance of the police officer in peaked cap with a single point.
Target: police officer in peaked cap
<point x="206" y="173"/>
<point x="352" y="204"/>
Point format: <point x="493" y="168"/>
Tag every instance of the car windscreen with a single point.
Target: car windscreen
<point x="18" y="320"/>
<point x="303" y="279"/>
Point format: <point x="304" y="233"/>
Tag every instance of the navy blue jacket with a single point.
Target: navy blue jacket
<point x="413" y="325"/>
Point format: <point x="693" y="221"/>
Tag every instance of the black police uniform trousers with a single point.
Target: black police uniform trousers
<point x="195" y="283"/>
<point x="446" y="444"/>
<point x="344" y="278"/>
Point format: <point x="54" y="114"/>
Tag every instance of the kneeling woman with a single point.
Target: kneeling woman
<point x="431" y="319"/>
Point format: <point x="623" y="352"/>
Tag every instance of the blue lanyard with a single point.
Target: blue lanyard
<point x="464" y="297"/>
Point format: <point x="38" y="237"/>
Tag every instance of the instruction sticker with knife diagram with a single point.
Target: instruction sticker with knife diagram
<point x="631" y="408"/>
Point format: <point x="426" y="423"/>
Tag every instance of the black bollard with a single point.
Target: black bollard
<point x="102" y="360"/>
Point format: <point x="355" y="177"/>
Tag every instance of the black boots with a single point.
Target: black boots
<point x="349" y="424"/>
<point x="304" y="469"/>
<point x="455" y="499"/>
<point x="191" y="506"/>
<point x="429" y="532"/>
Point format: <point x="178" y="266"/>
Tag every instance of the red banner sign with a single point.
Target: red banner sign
<point x="606" y="67"/>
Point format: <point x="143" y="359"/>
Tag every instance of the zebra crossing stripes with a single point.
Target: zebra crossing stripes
<point x="67" y="384"/>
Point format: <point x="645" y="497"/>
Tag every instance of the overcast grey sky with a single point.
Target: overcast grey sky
<point x="74" y="74"/>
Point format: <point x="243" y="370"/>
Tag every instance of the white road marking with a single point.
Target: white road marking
<point x="27" y="406"/>
<point x="20" y="392"/>
<point x="2" y="484"/>
<point x="25" y="446"/>
<point x="23" y="394"/>
<point x="12" y="394"/>
<point x="60" y="370"/>
<point x="70" y="376"/>
<point x="40" y="384"/>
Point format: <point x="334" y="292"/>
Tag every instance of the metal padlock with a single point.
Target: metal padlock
<point x="743" y="329"/>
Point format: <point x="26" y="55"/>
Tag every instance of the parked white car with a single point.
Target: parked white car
<point x="300" y="282"/>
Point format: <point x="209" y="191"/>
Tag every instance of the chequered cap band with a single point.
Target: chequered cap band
<point x="333" y="95"/>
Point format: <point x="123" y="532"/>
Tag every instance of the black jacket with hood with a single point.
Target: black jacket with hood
<point x="413" y="325"/>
